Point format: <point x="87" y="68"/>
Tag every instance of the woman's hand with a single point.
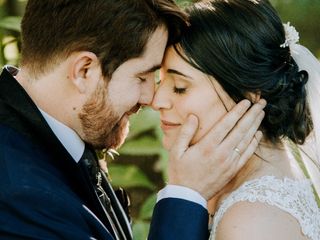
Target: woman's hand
<point x="213" y="161"/>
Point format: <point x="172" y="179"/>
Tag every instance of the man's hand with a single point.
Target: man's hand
<point x="211" y="163"/>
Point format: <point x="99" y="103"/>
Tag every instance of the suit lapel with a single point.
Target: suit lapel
<point x="18" y="111"/>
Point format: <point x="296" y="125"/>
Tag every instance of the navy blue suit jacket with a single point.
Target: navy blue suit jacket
<point x="43" y="193"/>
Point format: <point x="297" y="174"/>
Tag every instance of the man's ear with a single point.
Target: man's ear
<point x="83" y="69"/>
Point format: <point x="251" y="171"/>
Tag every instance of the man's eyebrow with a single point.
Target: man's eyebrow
<point x="173" y="71"/>
<point x="151" y="70"/>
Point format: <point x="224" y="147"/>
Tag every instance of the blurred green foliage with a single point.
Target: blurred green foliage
<point x="304" y="15"/>
<point x="142" y="162"/>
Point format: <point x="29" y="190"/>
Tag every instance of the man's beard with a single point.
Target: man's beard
<point x="101" y="126"/>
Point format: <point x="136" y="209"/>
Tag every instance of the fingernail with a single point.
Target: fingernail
<point x="261" y="115"/>
<point x="258" y="135"/>
<point x="246" y="103"/>
<point x="192" y="118"/>
<point x="263" y="102"/>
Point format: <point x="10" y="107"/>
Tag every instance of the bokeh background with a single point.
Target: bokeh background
<point x="140" y="168"/>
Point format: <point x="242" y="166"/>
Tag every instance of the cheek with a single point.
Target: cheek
<point x="207" y="107"/>
<point x="132" y="94"/>
<point x="124" y="97"/>
<point x="208" y="112"/>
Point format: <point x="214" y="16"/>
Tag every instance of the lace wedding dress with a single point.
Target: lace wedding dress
<point x="292" y="196"/>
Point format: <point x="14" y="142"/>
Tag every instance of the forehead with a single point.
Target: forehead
<point x="154" y="50"/>
<point x="172" y="60"/>
<point x="151" y="57"/>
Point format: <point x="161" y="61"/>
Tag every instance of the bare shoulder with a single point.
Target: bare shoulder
<point x="258" y="221"/>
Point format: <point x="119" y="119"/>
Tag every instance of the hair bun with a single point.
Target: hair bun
<point x="287" y="113"/>
<point x="301" y="79"/>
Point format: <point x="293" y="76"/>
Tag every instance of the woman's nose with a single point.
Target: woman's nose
<point x="161" y="99"/>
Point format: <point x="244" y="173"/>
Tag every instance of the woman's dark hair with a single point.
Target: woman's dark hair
<point x="238" y="43"/>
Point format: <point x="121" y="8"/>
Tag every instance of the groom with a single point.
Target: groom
<point x="86" y="66"/>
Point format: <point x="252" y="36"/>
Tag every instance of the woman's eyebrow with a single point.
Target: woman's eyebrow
<point x="173" y="71"/>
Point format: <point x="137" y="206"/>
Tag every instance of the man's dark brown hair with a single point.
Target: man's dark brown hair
<point x="115" y="30"/>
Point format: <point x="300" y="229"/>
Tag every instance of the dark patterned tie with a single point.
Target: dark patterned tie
<point x="116" y="214"/>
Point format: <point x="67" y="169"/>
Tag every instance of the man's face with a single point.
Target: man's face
<point x="104" y="117"/>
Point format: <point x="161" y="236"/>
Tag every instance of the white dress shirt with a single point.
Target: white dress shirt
<point x="68" y="137"/>
<point x="75" y="146"/>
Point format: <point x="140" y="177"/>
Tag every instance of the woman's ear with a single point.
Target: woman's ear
<point x="83" y="67"/>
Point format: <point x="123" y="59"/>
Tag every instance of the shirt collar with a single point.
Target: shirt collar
<point x="68" y="137"/>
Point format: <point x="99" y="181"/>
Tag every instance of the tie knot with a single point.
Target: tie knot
<point x="89" y="160"/>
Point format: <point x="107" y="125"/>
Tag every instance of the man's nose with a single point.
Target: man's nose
<point x="147" y="93"/>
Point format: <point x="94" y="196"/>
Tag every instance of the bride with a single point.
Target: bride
<point x="236" y="49"/>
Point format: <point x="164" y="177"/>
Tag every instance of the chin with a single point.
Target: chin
<point x="167" y="143"/>
<point x="104" y="133"/>
<point x="118" y="135"/>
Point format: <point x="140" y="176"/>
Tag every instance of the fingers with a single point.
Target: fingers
<point x="217" y="161"/>
<point x="245" y="129"/>
<point x="237" y="161"/>
<point x="222" y="128"/>
<point x="249" y="151"/>
<point x="185" y="136"/>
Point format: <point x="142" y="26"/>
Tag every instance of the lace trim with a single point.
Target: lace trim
<point x="292" y="196"/>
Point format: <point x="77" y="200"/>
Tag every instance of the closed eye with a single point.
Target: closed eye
<point x="142" y="79"/>
<point x="179" y="90"/>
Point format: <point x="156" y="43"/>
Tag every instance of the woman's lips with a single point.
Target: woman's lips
<point x="166" y="125"/>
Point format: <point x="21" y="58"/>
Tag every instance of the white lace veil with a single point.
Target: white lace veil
<point x="307" y="61"/>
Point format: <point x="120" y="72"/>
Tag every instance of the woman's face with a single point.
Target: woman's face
<point x="184" y="90"/>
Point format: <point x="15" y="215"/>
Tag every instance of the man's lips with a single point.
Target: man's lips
<point x="166" y="125"/>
